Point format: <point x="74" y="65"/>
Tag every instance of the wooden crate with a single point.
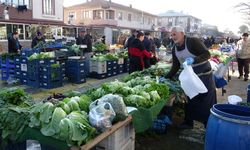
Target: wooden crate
<point x="120" y="136"/>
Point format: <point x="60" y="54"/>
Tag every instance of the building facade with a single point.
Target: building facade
<point x="29" y="16"/>
<point x="108" y="18"/>
<point x="191" y="24"/>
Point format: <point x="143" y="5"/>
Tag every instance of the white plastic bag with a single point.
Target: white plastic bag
<point x="190" y="82"/>
<point x="221" y="71"/>
<point x="101" y="116"/>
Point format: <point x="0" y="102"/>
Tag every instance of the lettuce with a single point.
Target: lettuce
<point x="53" y="127"/>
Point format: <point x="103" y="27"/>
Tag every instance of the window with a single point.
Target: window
<point x="16" y="3"/>
<point x="48" y="7"/>
<point x="120" y="15"/>
<point x="110" y="14"/>
<point x="129" y="17"/>
<point x="98" y="14"/>
<point x="72" y="16"/>
<point x="3" y="33"/>
<point x="27" y="32"/>
<point x="16" y="28"/>
<point x="85" y="14"/>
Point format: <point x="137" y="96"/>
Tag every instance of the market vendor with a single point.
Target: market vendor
<point x="137" y="53"/>
<point x="39" y="39"/>
<point x="192" y="51"/>
<point x="14" y="45"/>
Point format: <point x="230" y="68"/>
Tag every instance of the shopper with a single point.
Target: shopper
<point x="148" y="46"/>
<point x="85" y="38"/>
<point x="195" y="53"/>
<point x="137" y="53"/>
<point x="130" y="39"/>
<point x="243" y="56"/>
<point x="39" y="39"/>
<point x="13" y="43"/>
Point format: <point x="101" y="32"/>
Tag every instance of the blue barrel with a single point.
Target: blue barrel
<point x="248" y="93"/>
<point x="228" y="128"/>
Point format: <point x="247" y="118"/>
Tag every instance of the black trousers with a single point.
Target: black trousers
<point x="243" y="65"/>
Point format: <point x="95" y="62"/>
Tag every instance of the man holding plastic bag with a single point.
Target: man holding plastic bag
<point x="196" y="78"/>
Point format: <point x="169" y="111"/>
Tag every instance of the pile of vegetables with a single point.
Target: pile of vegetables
<point x="138" y="92"/>
<point x="66" y="121"/>
<point x="99" y="47"/>
<point x="219" y="57"/>
<point x="41" y="55"/>
<point x="105" y="57"/>
<point x="14" y="112"/>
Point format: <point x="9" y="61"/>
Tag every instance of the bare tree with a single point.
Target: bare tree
<point x="244" y="9"/>
<point x="243" y="29"/>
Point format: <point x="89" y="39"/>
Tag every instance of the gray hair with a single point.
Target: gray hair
<point x="178" y="29"/>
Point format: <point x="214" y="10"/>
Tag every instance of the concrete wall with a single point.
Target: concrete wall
<point x="37" y="13"/>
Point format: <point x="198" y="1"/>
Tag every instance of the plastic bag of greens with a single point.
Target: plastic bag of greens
<point x="101" y="116"/>
<point x="117" y="104"/>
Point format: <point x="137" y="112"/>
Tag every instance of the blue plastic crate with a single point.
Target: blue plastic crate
<point x="109" y="73"/>
<point x="24" y="75"/>
<point x="33" y="63"/>
<point x="77" y="63"/>
<point x="51" y="85"/>
<point x="33" y="75"/>
<point x="6" y="75"/>
<point x="7" y="63"/>
<point x="27" y="52"/>
<point x="114" y="73"/>
<point x="23" y="60"/>
<point x="110" y="63"/>
<point x="160" y="124"/>
<point x="18" y="67"/>
<point x="17" y="60"/>
<point x="49" y="70"/>
<point x="98" y="76"/>
<point x="18" y="74"/>
<point x="47" y="61"/>
<point x="33" y="83"/>
<point x="55" y="45"/>
<point x="23" y="81"/>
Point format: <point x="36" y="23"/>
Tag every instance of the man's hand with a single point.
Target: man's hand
<point x="189" y="61"/>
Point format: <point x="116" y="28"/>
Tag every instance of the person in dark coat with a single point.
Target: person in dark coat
<point x="148" y="46"/>
<point x="192" y="51"/>
<point x="131" y="39"/>
<point x="13" y="43"/>
<point x="38" y="39"/>
<point x="85" y="39"/>
<point x="137" y="53"/>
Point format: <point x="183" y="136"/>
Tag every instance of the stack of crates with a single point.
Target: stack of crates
<point x="126" y="65"/>
<point x="62" y="63"/>
<point x="7" y="68"/>
<point x="50" y="73"/>
<point x="17" y="60"/>
<point x="25" y="53"/>
<point x="120" y="66"/>
<point x="75" y="70"/>
<point x="33" y="71"/>
<point x="23" y="71"/>
<point x="111" y="68"/>
<point x="98" y="69"/>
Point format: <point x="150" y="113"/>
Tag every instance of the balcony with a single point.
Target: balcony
<point x="100" y="22"/>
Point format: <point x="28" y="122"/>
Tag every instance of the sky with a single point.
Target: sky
<point x="214" y="12"/>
